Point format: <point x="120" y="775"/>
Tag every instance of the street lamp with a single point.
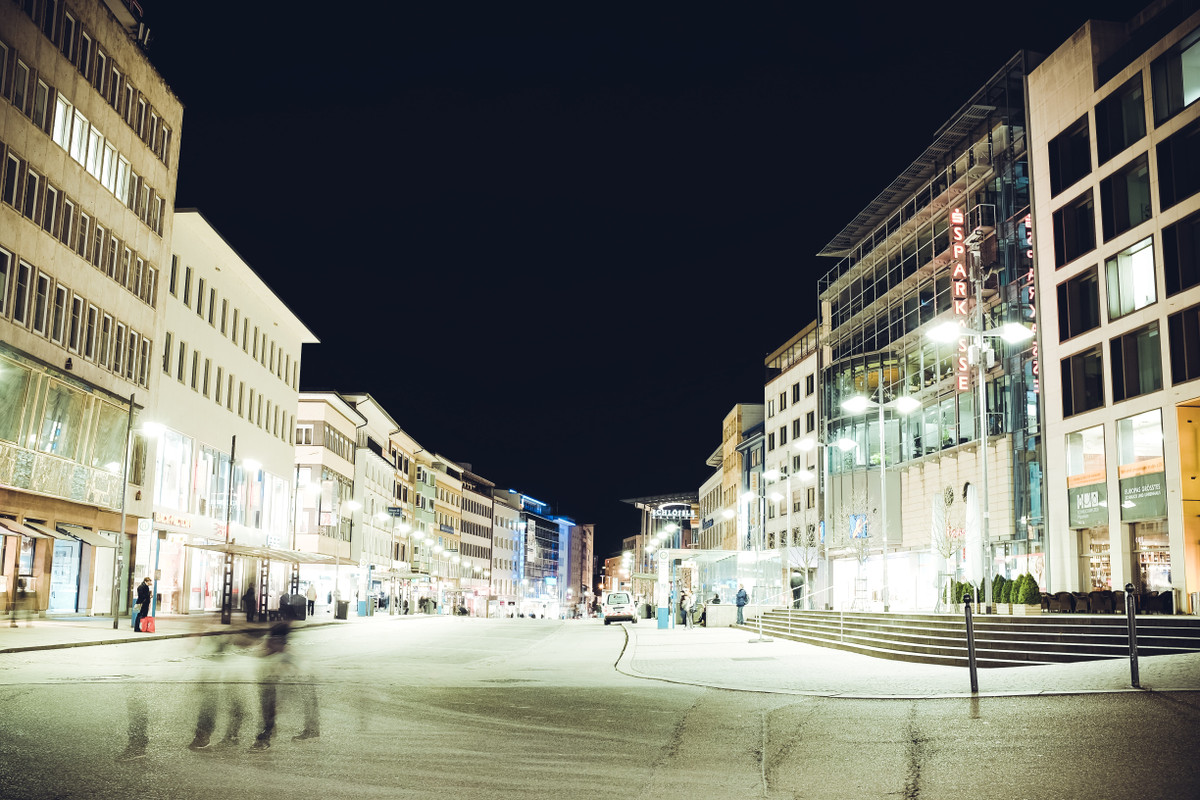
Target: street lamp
<point x="904" y="404"/>
<point x="981" y="355"/>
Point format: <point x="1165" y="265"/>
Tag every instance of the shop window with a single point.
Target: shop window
<point x="1140" y="466"/>
<point x="1078" y="305"/>
<point x="1130" y="279"/>
<point x="1074" y="229"/>
<point x="1179" y="166"/>
<point x="1083" y="381"/>
<point x="1094" y="552"/>
<point x="1175" y="78"/>
<point x="1120" y="119"/>
<point x="1181" y="254"/>
<point x="62" y="421"/>
<point x="1087" y="478"/>
<point x="1070" y="156"/>
<point x="14" y="386"/>
<point x="1125" y="198"/>
<point x="1136" y="363"/>
<point x="108" y="443"/>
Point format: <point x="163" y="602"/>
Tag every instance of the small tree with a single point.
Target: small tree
<point x="998" y="589"/>
<point x="1005" y="590"/>
<point x="1014" y="592"/>
<point x="1030" y="593"/>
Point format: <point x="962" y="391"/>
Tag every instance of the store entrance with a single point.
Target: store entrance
<point x="1188" y="417"/>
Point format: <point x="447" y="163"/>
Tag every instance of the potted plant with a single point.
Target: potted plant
<point x="1028" y="600"/>
<point x="1000" y="593"/>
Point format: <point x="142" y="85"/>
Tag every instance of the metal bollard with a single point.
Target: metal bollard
<point x="971" y="646"/>
<point x="1131" y="615"/>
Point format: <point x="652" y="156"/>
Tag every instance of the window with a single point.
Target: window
<point x="58" y="317"/>
<point x="131" y="353"/>
<point x="224" y="315"/>
<point x="118" y="351"/>
<point x="1078" y="305"/>
<point x="1120" y="119"/>
<point x="1131" y="280"/>
<point x="1181" y="254"/>
<point x="1136" y="363"/>
<point x="204" y="382"/>
<point x="770" y="441"/>
<point x="67" y="229"/>
<point x="150" y="288"/>
<point x="143" y="377"/>
<point x="217" y="386"/>
<point x="212" y="304"/>
<point x="75" y="328"/>
<point x="195" y="369"/>
<point x="796" y="392"/>
<point x="41" y="303"/>
<point x="1074" y="229"/>
<point x="1183" y="328"/>
<point x="1140" y="466"/>
<point x="783" y="436"/>
<point x="810" y="421"/>
<point x="1175" y="78"/>
<point x="20" y="87"/>
<point x="5" y="280"/>
<point x="85" y="235"/>
<point x="12" y="177"/>
<point x="168" y="340"/>
<point x="50" y="211"/>
<point x="1179" y="166"/>
<point x="61" y="427"/>
<point x="104" y="346"/>
<point x="41" y="105"/>
<point x="85" y="55"/>
<point x="200" y="298"/>
<point x="20" y="312"/>
<point x="174" y="279"/>
<point x="33" y="196"/>
<point x="1070" y="156"/>
<point x="187" y="287"/>
<point x="234" y="330"/>
<point x="181" y="364"/>
<point x="1083" y="381"/>
<point x="89" y="332"/>
<point x="64" y="113"/>
<point x="1125" y="197"/>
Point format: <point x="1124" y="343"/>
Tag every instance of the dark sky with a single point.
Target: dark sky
<point x="556" y="241"/>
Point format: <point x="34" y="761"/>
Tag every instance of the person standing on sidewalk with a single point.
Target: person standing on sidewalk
<point x="143" y="600"/>
<point x="742" y="600"/>
<point x="311" y="596"/>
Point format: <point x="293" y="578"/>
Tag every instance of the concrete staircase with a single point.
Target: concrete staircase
<point x="1000" y="640"/>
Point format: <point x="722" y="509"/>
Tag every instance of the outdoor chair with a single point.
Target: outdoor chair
<point x="1082" y="603"/>
<point x="1062" y="601"/>
<point x="1101" y="602"/>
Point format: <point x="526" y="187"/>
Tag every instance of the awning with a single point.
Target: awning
<point x="86" y="535"/>
<point x="275" y="554"/>
<point x="49" y="533"/>
<point x="12" y="526"/>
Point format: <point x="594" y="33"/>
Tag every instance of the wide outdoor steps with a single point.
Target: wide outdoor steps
<point x="1000" y="640"/>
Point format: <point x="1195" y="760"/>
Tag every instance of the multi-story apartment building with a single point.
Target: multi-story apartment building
<point x="403" y="450"/>
<point x="326" y="435"/>
<point x="1115" y="128"/>
<point x="424" y="537"/>
<point x="476" y="541"/>
<point x="230" y="370"/>
<point x="448" y="517"/>
<point x="712" y="510"/>
<point x="791" y="462"/>
<point x="506" y="569"/>
<point x="374" y="531"/>
<point x="946" y="241"/>
<point x="88" y="155"/>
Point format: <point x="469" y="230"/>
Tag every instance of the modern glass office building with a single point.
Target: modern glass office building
<point x="907" y="500"/>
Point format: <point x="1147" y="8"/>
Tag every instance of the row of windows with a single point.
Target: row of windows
<point x="198" y="373"/>
<point x="36" y="301"/>
<point x="810" y="386"/>
<point x="256" y="344"/>
<point x="1136" y="361"/>
<point x="448" y="498"/>
<point x="70" y="129"/>
<point x="98" y="67"/>
<point x="51" y="209"/>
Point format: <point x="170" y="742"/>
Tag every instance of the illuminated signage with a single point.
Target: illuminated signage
<point x="960" y="283"/>
<point x="669" y="512"/>
<point x="172" y="519"/>
<point x="1031" y="285"/>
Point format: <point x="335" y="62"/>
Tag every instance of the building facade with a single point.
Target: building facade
<point x="88" y="160"/>
<point x="791" y="462"/>
<point x="945" y="242"/>
<point x="1116" y="224"/>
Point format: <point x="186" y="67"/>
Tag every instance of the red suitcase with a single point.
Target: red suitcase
<point x="148" y="624"/>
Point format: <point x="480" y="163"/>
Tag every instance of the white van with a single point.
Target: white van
<point x="619" y="606"/>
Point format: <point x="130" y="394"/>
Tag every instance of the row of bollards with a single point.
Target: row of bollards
<point x="1130" y="615"/>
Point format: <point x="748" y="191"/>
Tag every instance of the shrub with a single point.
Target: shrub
<point x="998" y="589"/>
<point x="965" y="591"/>
<point x="1030" y="594"/>
<point x="1005" y="590"/>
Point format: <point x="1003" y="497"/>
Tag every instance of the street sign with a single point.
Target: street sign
<point x="395" y="511"/>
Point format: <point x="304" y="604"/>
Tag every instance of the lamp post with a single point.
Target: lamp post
<point x="856" y="405"/>
<point x="117" y="561"/>
<point x="981" y="354"/>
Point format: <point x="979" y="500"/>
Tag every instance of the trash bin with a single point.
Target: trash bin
<point x="341" y="609"/>
<point x="299" y="606"/>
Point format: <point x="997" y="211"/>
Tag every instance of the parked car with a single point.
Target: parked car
<point x="619" y="606"/>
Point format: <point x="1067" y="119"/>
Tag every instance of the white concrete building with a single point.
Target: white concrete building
<point x="230" y="370"/>
<point x="506" y="521"/>
<point x="792" y="461"/>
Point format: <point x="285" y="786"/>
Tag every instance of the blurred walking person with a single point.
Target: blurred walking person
<point x="219" y="685"/>
<point x="311" y="596"/>
<point x="280" y="667"/>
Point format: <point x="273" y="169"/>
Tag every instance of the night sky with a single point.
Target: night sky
<point x="556" y="241"/>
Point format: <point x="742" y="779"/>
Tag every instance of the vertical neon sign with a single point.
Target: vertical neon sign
<point x="960" y="292"/>
<point x="1031" y="285"/>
